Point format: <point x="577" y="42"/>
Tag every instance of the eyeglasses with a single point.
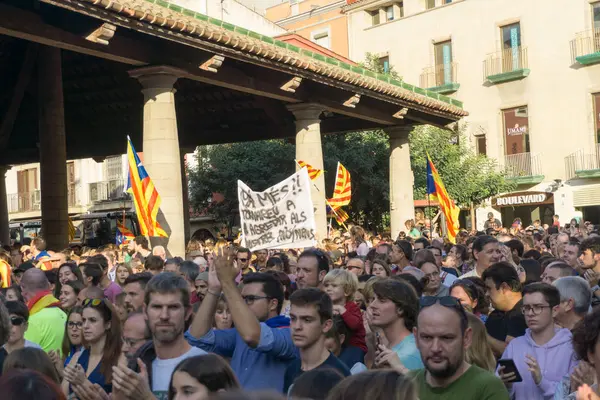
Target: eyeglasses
<point x="250" y="299"/>
<point x="242" y="259"/>
<point x="535" y="309"/>
<point x="77" y="325"/>
<point x="17" y="321"/>
<point x="132" y="342"/>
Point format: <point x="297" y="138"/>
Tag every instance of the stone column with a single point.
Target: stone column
<point x="162" y="157"/>
<point x="401" y="180"/>
<point x="308" y="149"/>
<point x="4" y="227"/>
<point x="53" y="149"/>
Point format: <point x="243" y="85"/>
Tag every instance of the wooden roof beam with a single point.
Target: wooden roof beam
<point x="102" y="34"/>
<point x="30" y="26"/>
<point x="25" y="72"/>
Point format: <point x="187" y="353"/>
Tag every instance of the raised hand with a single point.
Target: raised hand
<point x="225" y="265"/>
<point x="534" y="368"/>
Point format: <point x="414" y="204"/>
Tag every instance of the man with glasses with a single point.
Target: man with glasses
<point x="260" y="346"/>
<point x="19" y="314"/>
<point x="545" y="353"/>
<point x="243" y="261"/>
<point x="356" y="266"/>
<point x="443" y="336"/>
<point x="135" y="334"/>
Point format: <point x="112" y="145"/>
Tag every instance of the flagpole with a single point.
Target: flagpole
<point x="332" y="209"/>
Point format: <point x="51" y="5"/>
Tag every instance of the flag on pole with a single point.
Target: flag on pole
<point x="342" y="191"/>
<point x="145" y="196"/>
<point x="123" y="235"/>
<point x="313" y="173"/>
<point x="340" y="215"/>
<point x="71" y="230"/>
<point x="437" y="191"/>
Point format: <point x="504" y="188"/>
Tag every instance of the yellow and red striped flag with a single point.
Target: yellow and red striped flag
<point x="342" y="192"/>
<point x="340" y="215"/>
<point x="437" y="192"/>
<point x="313" y="173"/>
<point x="145" y="196"/>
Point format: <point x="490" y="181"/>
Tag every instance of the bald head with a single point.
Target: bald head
<point x="160" y="252"/>
<point x="33" y="281"/>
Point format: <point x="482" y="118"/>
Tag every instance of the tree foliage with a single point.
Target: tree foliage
<point x="468" y="177"/>
<point x="258" y="164"/>
<point x="373" y="63"/>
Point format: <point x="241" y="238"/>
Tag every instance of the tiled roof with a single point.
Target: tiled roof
<point x="182" y="20"/>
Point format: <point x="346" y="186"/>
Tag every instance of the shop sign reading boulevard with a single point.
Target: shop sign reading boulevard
<point x="523" y="199"/>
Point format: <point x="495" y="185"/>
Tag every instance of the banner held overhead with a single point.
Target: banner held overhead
<point x="280" y="217"/>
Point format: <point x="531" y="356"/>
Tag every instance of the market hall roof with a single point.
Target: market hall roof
<point x="256" y="65"/>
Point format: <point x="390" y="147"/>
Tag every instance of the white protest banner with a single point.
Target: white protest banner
<point x="280" y="217"/>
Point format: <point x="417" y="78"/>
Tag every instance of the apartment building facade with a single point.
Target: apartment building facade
<point x="91" y="185"/>
<point x="321" y="21"/>
<point x="529" y="75"/>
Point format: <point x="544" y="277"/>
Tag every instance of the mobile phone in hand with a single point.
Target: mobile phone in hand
<point x="510" y="366"/>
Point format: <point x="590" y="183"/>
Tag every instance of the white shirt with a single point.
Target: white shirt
<point x="163" y="369"/>
<point x="471" y="273"/>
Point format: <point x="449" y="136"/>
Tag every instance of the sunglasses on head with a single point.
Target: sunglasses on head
<point x="17" y="321"/>
<point x="92" y="302"/>
<point x="446" y="301"/>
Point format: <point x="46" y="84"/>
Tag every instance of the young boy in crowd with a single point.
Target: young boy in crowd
<point x="341" y="285"/>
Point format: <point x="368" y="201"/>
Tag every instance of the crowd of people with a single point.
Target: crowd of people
<point x="502" y="313"/>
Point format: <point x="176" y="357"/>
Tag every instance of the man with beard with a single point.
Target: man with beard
<point x="590" y="263"/>
<point x="443" y="336"/>
<point x="311" y="269"/>
<point x="135" y="285"/>
<point x="166" y="308"/>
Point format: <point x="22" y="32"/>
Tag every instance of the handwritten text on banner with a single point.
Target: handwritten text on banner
<point x="280" y="217"/>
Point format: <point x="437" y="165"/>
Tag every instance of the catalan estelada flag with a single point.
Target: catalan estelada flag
<point x="342" y="191"/>
<point x="313" y="173"/>
<point x="123" y="235"/>
<point x="145" y="196"/>
<point x="340" y="215"/>
<point x="437" y="192"/>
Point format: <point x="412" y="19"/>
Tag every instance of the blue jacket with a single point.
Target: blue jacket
<point x="262" y="367"/>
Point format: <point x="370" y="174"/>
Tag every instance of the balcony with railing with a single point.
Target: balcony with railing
<point x="585" y="48"/>
<point x="507" y="65"/>
<point x="440" y="78"/>
<point x="524" y="168"/>
<point x="32" y="201"/>
<point x="583" y="163"/>
<point x="24" y="202"/>
<point x="107" y="190"/>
